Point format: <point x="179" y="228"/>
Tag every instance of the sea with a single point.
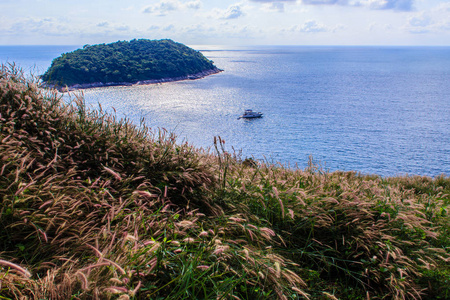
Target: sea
<point x="373" y="110"/>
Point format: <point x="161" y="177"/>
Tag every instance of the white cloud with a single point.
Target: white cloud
<point x="278" y="6"/>
<point x="49" y="26"/>
<point x="61" y="30"/>
<point x="233" y="12"/>
<point x="165" y="6"/>
<point x="170" y="27"/>
<point x="103" y="24"/>
<point x="310" y="26"/>
<point x="376" y="27"/>
<point x="399" y="5"/>
<point x="194" y="4"/>
<point x="421" y="20"/>
<point x="433" y="21"/>
<point x="122" y="28"/>
<point x="445" y="26"/>
<point x="273" y="6"/>
<point x="162" y="8"/>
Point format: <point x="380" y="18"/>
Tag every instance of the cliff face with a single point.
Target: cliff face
<point x="123" y="63"/>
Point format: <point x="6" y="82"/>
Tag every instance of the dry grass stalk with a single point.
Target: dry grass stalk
<point x="92" y="206"/>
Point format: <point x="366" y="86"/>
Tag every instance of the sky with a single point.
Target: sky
<point x="227" y="22"/>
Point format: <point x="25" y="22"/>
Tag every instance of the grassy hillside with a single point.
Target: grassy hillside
<point x="96" y="208"/>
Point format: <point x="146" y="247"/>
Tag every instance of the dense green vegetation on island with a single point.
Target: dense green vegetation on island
<point x="124" y="61"/>
<point x="95" y="208"/>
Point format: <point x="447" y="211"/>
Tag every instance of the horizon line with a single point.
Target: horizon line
<point x="251" y="45"/>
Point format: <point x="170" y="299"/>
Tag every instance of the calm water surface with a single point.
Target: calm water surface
<point x="381" y="110"/>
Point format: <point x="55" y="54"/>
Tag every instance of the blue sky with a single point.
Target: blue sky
<point x="227" y="22"/>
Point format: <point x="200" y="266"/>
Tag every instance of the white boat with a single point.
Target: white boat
<point x="249" y="114"/>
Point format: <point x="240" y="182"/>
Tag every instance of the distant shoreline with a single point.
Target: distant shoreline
<point x="141" y="82"/>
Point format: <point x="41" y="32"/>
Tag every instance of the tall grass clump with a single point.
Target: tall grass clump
<point x="96" y="208"/>
<point x="352" y="236"/>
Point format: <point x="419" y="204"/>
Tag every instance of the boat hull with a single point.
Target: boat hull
<point x="250" y="114"/>
<point x="251" y="117"/>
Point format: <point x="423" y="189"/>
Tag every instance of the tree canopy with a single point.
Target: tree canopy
<point x="124" y="61"/>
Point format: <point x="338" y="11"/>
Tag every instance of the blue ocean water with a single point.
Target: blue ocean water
<point x="375" y="110"/>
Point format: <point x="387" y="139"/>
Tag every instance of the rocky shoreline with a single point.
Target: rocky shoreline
<point x="143" y="82"/>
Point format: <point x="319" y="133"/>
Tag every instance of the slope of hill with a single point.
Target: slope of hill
<point x="96" y="208"/>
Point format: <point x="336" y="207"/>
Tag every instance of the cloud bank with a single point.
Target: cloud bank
<point x="165" y="6"/>
<point x="397" y="5"/>
<point x="233" y="21"/>
<point x="433" y="21"/>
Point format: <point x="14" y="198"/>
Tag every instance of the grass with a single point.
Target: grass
<point x="97" y="208"/>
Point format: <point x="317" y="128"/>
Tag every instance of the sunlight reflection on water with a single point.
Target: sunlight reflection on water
<point x="382" y="110"/>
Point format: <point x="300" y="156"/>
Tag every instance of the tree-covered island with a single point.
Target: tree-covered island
<point x="123" y="63"/>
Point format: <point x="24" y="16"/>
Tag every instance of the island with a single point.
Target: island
<point x="139" y="61"/>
